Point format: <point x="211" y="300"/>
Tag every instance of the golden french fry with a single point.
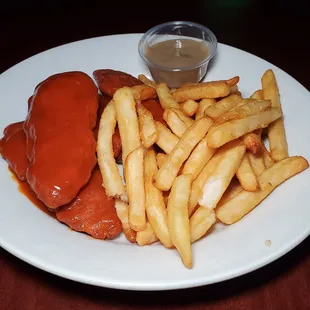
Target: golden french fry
<point x="127" y="120"/>
<point x="257" y="163"/>
<point x="166" y="140"/>
<point x="134" y="176"/>
<point x="167" y="173"/>
<point x="221" y="107"/>
<point x="246" y="176"/>
<point x="258" y="95"/>
<point x="276" y="131"/>
<point x="217" y="183"/>
<point x="283" y="169"/>
<point x="155" y="204"/>
<point x="198" y="158"/>
<point x="253" y="142"/>
<point x="189" y="107"/>
<point x="268" y="161"/>
<point x="146" y="236"/>
<point x="233" y="81"/>
<point x="270" y="88"/>
<point x="216" y="89"/>
<point x="178" y="220"/>
<point x="145" y="92"/>
<point x="277" y="140"/>
<point x="188" y="84"/>
<point x="174" y="122"/>
<point x="166" y="99"/>
<point x="160" y="159"/>
<point x="247" y="109"/>
<point x="235" y="90"/>
<point x="197" y="185"/>
<point x="121" y="208"/>
<point x="146" y="81"/>
<point x="233" y="189"/>
<point x="203" y="104"/>
<point x="200" y="222"/>
<point x="223" y="133"/>
<point x="112" y="181"/>
<point x="148" y="132"/>
<point x="186" y="119"/>
<point x="239" y="206"/>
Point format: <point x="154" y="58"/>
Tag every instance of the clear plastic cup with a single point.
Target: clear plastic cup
<point x="176" y="76"/>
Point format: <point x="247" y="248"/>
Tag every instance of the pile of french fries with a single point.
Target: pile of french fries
<point x="217" y="158"/>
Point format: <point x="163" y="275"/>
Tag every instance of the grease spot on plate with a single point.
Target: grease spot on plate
<point x="268" y="243"/>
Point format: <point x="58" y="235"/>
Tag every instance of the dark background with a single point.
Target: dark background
<point x="277" y="31"/>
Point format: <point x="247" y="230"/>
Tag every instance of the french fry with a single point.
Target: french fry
<point x="276" y="131"/>
<point x="233" y="189"/>
<point x="223" y="133"/>
<point x="155" y="204"/>
<point x="112" y="181"/>
<point x="122" y="212"/>
<point x="166" y="140"/>
<point x="178" y="220"/>
<point x="127" y="120"/>
<point x="233" y="81"/>
<point x="268" y="161"/>
<point x="203" y="104"/>
<point x="283" y="169"/>
<point x="217" y="183"/>
<point x="277" y="140"/>
<point x="246" y="176"/>
<point x="148" y="132"/>
<point x="174" y="122"/>
<point x="198" y="158"/>
<point x="245" y="110"/>
<point x="200" y="222"/>
<point x="258" y="95"/>
<point x="253" y="143"/>
<point x="146" y="81"/>
<point x="160" y="159"/>
<point x="257" y="163"/>
<point x="146" y="236"/>
<point x="167" y="173"/>
<point x="243" y="203"/>
<point x="235" y="90"/>
<point x="189" y="107"/>
<point x="270" y="88"/>
<point x="221" y="107"/>
<point x="199" y="91"/>
<point x="188" y="84"/>
<point x="145" y="92"/>
<point x="186" y="119"/>
<point x="166" y="99"/>
<point x="134" y="176"/>
<point x="197" y="185"/>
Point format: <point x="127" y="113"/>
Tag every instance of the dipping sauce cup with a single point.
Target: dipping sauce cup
<point x="178" y="52"/>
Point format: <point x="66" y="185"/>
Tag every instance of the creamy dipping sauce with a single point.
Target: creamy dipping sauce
<point x="181" y="54"/>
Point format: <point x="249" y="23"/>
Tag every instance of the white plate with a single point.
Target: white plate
<point x="227" y="252"/>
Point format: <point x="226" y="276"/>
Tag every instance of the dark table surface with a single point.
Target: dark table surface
<point x="274" y="30"/>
